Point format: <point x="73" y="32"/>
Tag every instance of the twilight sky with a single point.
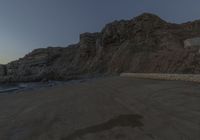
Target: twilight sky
<point x="29" y="24"/>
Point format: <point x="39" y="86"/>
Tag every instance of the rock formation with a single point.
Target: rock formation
<point x="2" y="70"/>
<point x="143" y="44"/>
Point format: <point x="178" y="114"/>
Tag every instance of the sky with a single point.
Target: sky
<point x="29" y="24"/>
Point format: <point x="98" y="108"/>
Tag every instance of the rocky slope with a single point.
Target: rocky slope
<point x="143" y="44"/>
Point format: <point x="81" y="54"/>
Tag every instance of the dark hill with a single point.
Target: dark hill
<point x="144" y="44"/>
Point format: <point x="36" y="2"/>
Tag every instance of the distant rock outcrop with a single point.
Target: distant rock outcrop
<point x="2" y="70"/>
<point x="143" y="44"/>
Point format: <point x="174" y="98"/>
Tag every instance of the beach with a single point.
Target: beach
<point x="112" y="108"/>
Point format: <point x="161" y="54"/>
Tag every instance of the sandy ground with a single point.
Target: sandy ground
<point x="115" y="108"/>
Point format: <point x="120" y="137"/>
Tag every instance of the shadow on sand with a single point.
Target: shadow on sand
<point x="130" y="120"/>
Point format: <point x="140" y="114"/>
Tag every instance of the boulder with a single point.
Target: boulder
<point x="192" y="42"/>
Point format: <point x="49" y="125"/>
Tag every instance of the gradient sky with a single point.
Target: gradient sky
<point x="29" y="24"/>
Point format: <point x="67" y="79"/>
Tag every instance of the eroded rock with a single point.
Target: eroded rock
<point x="144" y="44"/>
<point x="3" y="70"/>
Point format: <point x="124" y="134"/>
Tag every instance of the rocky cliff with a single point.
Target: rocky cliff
<point x="143" y="44"/>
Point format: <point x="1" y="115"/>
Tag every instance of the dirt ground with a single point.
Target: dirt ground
<point x="114" y="108"/>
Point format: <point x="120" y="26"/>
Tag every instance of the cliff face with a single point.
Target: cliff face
<point x="143" y="44"/>
<point x="2" y="70"/>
